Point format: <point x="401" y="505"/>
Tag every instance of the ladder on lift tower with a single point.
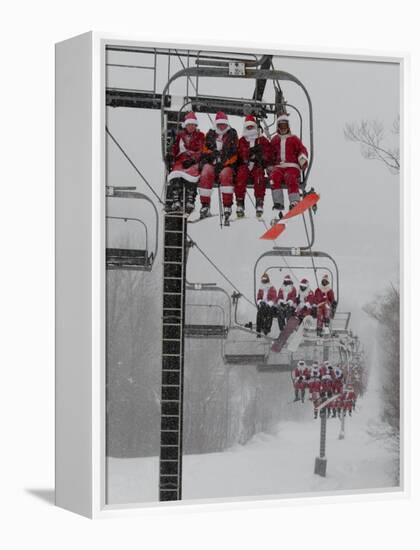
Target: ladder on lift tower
<point x="174" y="265"/>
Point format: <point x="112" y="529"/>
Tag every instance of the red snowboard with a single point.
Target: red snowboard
<point x="307" y="202"/>
<point x="291" y="326"/>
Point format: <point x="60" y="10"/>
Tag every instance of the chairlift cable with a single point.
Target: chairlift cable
<point x="133" y="165"/>
<point x="310" y="250"/>
<point x="221" y="272"/>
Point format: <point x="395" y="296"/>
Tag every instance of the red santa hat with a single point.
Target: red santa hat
<point x="282" y="118"/>
<point x="250" y="120"/>
<point x="304" y="282"/>
<point x="190" y="118"/>
<point x="287" y="279"/>
<point x="221" y="118"/>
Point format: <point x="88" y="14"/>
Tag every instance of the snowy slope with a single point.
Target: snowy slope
<point x="270" y="464"/>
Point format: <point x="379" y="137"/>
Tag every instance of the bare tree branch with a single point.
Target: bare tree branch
<point x="371" y="136"/>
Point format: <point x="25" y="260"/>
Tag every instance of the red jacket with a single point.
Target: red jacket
<point x="297" y="372"/>
<point x="267" y="295"/>
<point x="315" y="386"/>
<point x="282" y="297"/>
<point x="188" y="146"/>
<point x="324" y="297"/>
<point x="288" y="151"/>
<point x="306" y="298"/>
<point x="262" y="158"/>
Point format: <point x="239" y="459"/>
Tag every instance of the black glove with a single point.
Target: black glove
<point x="188" y="162"/>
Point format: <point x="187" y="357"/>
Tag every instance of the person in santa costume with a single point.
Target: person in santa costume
<point x="254" y="155"/>
<point x="218" y="161"/>
<point x="326" y="304"/>
<point x="183" y="164"/>
<point x="349" y="399"/>
<point x="266" y="298"/>
<point x="289" y="158"/>
<point x="286" y="301"/>
<point x="305" y="299"/>
<point x="298" y="379"/>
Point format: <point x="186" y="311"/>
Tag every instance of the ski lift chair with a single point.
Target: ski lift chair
<point x="214" y="319"/>
<point x="139" y="259"/>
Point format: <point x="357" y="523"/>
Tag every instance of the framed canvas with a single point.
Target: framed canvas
<point x="229" y="274"/>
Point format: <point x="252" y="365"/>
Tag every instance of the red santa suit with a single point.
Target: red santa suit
<point x="297" y="372"/>
<point x="304" y="300"/>
<point x="314" y="389"/>
<point x="267" y="294"/>
<point x="349" y="399"/>
<point x="186" y="152"/>
<point x="254" y="154"/>
<point x="289" y="157"/>
<point x="337" y="385"/>
<point x="324" y="298"/>
<point x="220" y="155"/>
<point x="326" y="384"/>
<point x="287" y="295"/>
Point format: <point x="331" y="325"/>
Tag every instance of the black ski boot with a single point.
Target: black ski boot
<point x="176" y="201"/>
<point x="293" y="204"/>
<point x="319" y="331"/>
<point x="277" y="211"/>
<point x="302" y="396"/>
<point x="296" y="395"/>
<point x="204" y="211"/>
<point x="189" y="204"/>
<point x="240" y="208"/>
<point x="315" y="414"/>
<point x="227" y="211"/>
<point x="259" y="208"/>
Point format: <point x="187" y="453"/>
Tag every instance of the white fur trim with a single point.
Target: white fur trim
<point x="226" y="189"/>
<point x="204" y="192"/>
<point x="183" y="175"/>
<point x="282" y="118"/>
<point x="288" y="165"/>
<point x="250" y="123"/>
<point x="283" y="140"/>
<point x="190" y="121"/>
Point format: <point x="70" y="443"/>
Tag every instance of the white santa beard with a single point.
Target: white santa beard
<point x="222" y="132"/>
<point x="250" y="134"/>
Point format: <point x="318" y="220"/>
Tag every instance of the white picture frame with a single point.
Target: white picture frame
<point x="80" y="273"/>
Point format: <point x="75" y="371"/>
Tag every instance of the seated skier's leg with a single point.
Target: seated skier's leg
<point x="226" y="188"/>
<point x="205" y="187"/>
<point x="281" y="317"/>
<point x="269" y="319"/>
<point x="320" y="320"/>
<point x="291" y="177"/>
<point x="176" y="194"/>
<point x="259" y="189"/>
<point x="277" y="193"/>
<point x="260" y="318"/>
<point x="190" y="195"/>
<point x="241" y="181"/>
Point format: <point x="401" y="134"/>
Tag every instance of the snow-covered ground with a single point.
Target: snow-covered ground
<point x="273" y="464"/>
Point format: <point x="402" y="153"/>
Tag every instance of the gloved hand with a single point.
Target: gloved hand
<point x="188" y="162"/>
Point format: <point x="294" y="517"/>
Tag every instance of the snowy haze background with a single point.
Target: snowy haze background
<point x="357" y="223"/>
